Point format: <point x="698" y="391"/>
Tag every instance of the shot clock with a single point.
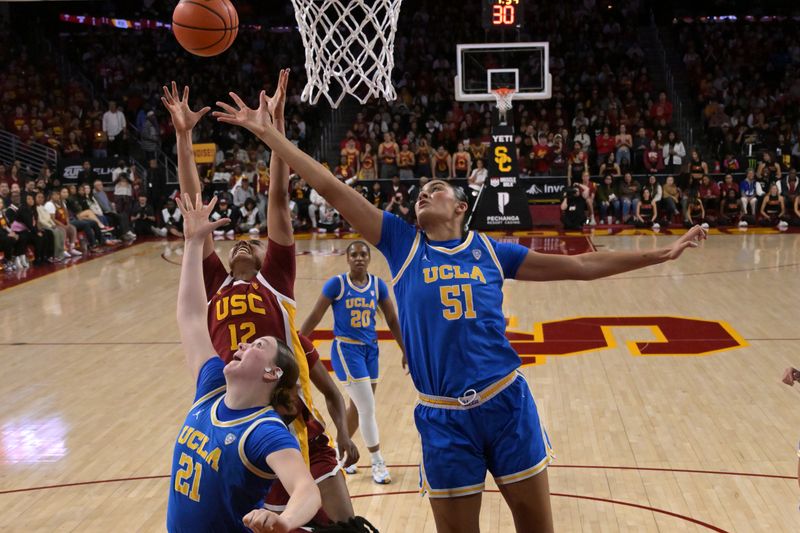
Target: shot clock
<point x="502" y="14"/>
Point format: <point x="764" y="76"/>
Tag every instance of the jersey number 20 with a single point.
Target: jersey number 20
<point x="182" y="476"/>
<point x="451" y="300"/>
<point x="359" y="319"/>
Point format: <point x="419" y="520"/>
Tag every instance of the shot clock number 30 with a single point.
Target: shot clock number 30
<point x="502" y="14"/>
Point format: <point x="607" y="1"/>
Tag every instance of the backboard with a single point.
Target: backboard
<point x="523" y="67"/>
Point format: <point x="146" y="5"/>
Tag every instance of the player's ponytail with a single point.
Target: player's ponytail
<point x="285" y="360"/>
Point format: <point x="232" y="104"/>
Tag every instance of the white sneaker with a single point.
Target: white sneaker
<point x="24" y="260"/>
<point x="161" y="232"/>
<point x="352" y="469"/>
<point x="742" y="223"/>
<point x="229" y="234"/>
<point x="253" y="231"/>
<point x="783" y="224"/>
<point x="656" y="226"/>
<point x="75" y="253"/>
<point x="18" y="263"/>
<point x="592" y="222"/>
<point x="380" y="474"/>
<point x="704" y="225"/>
<point x="65" y="256"/>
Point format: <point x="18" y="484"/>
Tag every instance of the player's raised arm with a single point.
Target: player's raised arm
<point x="279" y="217"/>
<point x="589" y="266"/>
<point x="184" y="120"/>
<point x="364" y="217"/>
<point x="192" y="304"/>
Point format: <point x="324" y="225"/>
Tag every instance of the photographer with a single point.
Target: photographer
<point x="398" y="205"/>
<point x="573" y="208"/>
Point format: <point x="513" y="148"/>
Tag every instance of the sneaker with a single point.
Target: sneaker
<point x="75" y="253"/>
<point x="742" y="223"/>
<point x="229" y="234"/>
<point x="592" y="222"/>
<point x="24" y="260"/>
<point x="111" y="242"/>
<point x="380" y="474"/>
<point x="253" y="231"/>
<point x="704" y="225"/>
<point x="219" y="233"/>
<point x="783" y="224"/>
<point x="131" y="235"/>
<point x="352" y="469"/>
<point x="161" y="232"/>
<point x="656" y="226"/>
<point x="65" y="256"/>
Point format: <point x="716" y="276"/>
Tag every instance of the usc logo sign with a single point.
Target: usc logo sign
<point x="502" y="159"/>
<point x="674" y="336"/>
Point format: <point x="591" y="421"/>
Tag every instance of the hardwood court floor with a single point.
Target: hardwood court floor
<point x="94" y="390"/>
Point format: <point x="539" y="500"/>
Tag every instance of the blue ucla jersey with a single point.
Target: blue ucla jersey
<point x="219" y="467"/>
<point x="354" y="307"/>
<point x="450" y="301"/>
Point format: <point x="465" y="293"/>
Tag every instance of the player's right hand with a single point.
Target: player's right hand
<point x="347" y="448"/>
<point x="255" y="120"/>
<point x="196" y="224"/>
<point x="183" y="118"/>
<point x="264" y="521"/>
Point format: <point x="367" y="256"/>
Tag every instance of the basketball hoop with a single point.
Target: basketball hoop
<point x="503" y="97"/>
<point x="349" y="48"/>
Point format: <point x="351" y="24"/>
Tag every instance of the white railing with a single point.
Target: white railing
<point x="32" y="155"/>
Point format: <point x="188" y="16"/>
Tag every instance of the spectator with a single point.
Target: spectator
<point x="107" y="222"/>
<point x="606" y="197"/>
<point x="750" y="194"/>
<point x="673" y="153"/>
<point x="368" y="164"/>
<point x="25" y="222"/>
<point x="396" y="187"/>
<point x="316" y="202"/>
<point x="558" y="157"/>
<point x="242" y="192"/>
<point x="387" y="153"/>
<point x="12" y="244"/>
<point x="573" y="208"/>
<point x="623" y="143"/>
<point x="249" y="219"/>
<point x="641" y="146"/>
<point x="697" y="169"/>
<point x="652" y="158"/>
<point x="87" y="173"/>
<point x="423" y="157"/>
<point x="328" y="218"/>
<point x="143" y="218"/>
<point x="656" y="191"/>
<point x="610" y="167"/>
<point x="99" y="141"/>
<point x="123" y="197"/>
<point x="770" y="170"/>
<point x="541" y="156"/>
<point x="476" y="180"/>
<point x="442" y="164"/>
<point x="605" y="145"/>
<point x="224" y="210"/>
<point x="731" y="209"/>
<point x="350" y="157"/>
<point x="108" y="210"/>
<point x="628" y="198"/>
<point x="398" y="205"/>
<point x="661" y="111"/>
<point x="60" y="215"/>
<point x="728" y="185"/>
<point x="462" y="162"/>
<point x="670" y="198"/>
<point x="773" y="208"/>
<point x="90" y="228"/>
<point x="796" y="214"/>
<point x="646" y="210"/>
<point x="709" y="194"/>
<point x="114" y="126"/>
<point x="375" y="195"/>
<point x="790" y="186"/>
<point x="173" y="219"/>
<point x="406" y="162"/>
<point x="301" y="194"/>
<point x="695" y="213"/>
<point x="577" y="163"/>
<point x="47" y="223"/>
<point x="150" y="136"/>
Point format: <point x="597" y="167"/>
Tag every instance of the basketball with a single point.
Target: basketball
<point x="205" y="27"/>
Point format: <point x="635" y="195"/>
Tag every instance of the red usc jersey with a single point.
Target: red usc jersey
<point x="313" y="420"/>
<point x="461" y="161"/>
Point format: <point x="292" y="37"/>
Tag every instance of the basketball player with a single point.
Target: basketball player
<point x="356" y="297"/>
<point x="256" y="298"/>
<point x="475" y="411"/>
<point x="232" y="443"/>
<point x="462" y="162"/>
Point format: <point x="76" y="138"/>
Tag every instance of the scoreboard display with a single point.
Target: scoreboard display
<point x="503" y="14"/>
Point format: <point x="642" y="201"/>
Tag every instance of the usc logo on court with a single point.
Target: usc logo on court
<point x="502" y="159"/>
<point x="674" y="336"/>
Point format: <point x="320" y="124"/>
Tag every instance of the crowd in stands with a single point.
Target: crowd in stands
<point x="746" y="76"/>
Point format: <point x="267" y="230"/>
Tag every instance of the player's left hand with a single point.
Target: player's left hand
<point x="264" y="521"/>
<point x="691" y="239"/>
<point x="255" y="120"/>
<point x="790" y="375"/>
<point x="196" y="225"/>
<point x="347" y="448"/>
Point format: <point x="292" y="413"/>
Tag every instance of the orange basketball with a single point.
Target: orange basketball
<point x="205" y="27"/>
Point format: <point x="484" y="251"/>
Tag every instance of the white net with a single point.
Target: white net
<point x="503" y="98"/>
<point x="349" y="48"/>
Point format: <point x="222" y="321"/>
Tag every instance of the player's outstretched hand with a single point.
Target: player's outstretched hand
<point x="264" y="521"/>
<point x="691" y="239"/>
<point x="196" y="225"/>
<point x="790" y="375"/>
<point x="183" y="118"/>
<point x="255" y="120"/>
<point x="277" y="101"/>
<point x="347" y="448"/>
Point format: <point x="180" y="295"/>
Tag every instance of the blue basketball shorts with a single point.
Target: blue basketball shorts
<point x="460" y="443"/>
<point x="354" y="362"/>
